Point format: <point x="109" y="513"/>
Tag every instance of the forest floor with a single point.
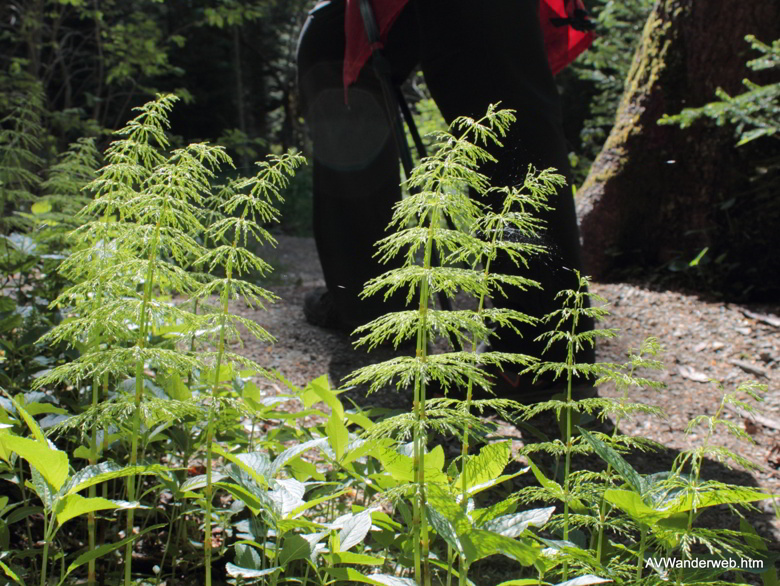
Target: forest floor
<point x="707" y="344"/>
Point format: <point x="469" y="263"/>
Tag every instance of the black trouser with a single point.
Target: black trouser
<point x="472" y="53"/>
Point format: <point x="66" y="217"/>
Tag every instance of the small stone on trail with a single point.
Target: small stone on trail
<point x="751" y="368"/>
<point x="692" y="374"/>
<point x="770" y="319"/>
<point x="743" y="331"/>
<point x="718" y="346"/>
<point x="702" y="346"/>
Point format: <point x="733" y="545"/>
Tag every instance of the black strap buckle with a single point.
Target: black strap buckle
<point x="579" y="22"/>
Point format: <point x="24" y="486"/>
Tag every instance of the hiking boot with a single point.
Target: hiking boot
<point x="320" y="310"/>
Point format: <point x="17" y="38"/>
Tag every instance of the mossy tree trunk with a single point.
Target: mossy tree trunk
<point x="654" y="193"/>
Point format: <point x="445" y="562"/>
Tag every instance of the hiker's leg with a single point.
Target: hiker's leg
<point x="477" y="53"/>
<point x="356" y="170"/>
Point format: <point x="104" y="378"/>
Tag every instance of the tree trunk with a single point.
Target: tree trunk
<point x="653" y="193"/>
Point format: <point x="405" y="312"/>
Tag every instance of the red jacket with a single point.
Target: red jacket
<point x="563" y="44"/>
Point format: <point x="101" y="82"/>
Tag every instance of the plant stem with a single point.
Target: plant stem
<point x="44" y="562"/>
<point x="568" y="442"/>
<point x="139" y="393"/>
<point x="641" y="558"/>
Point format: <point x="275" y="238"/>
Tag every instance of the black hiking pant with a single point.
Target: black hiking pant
<point x="472" y="53"/>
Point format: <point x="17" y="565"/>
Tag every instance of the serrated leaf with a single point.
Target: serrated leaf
<point x="338" y="436"/>
<point x="485" y="466"/>
<point x="355" y="530"/>
<point x="513" y="525"/>
<point x="488" y="544"/>
<point x="52" y="464"/>
<point x="288" y="495"/>
<point x="22" y="513"/>
<point x="248" y="557"/>
<point x="256" y="475"/>
<point x="319" y="390"/>
<point x="618" y="463"/>
<point x="93" y="475"/>
<point x="11" y="574"/>
<point x="632" y="504"/>
<point x="295" y="548"/>
<point x="107" y="548"/>
<point x="75" y="505"/>
<point x="315" y="502"/>
<point x="352" y="575"/>
<point x="198" y="482"/>
<point x="40" y="207"/>
<point x="31" y="423"/>
<point x="448" y="532"/>
<point x="295" y="451"/>
<point x="585" y="580"/>
<point x="238" y="572"/>
<point x="358" y="559"/>
<point x="40" y="408"/>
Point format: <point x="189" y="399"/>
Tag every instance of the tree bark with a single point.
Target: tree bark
<point x="652" y="194"/>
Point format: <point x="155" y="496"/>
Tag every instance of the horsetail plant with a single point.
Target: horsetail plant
<point x="440" y="185"/>
<point x="146" y="204"/>
<point x="245" y="204"/>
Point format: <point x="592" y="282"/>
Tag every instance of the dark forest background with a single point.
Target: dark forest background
<point x="80" y="66"/>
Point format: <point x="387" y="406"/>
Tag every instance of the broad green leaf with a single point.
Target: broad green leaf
<point x="354" y="530"/>
<point x="43" y="488"/>
<point x="303" y="470"/>
<point x="553" y="486"/>
<point x="3" y="502"/>
<point x="585" y="580"/>
<point x="501" y="508"/>
<point x="74" y="505"/>
<point x="513" y="525"/>
<point x="177" y="389"/>
<point x="107" y="548"/>
<point x="319" y="390"/>
<point x="295" y="451"/>
<point x="401" y="467"/>
<point x="611" y="457"/>
<point x="237" y="572"/>
<point x="295" y="548"/>
<point x="199" y="482"/>
<point x="284" y="526"/>
<point x="42" y="408"/>
<point x="494" y="482"/>
<point x="632" y="504"/>
<point x="488" y="544"/>
<point x="447" y="530"/>
<point x="40" y="207"/>
<point x="348" y="557"/>
<point x="11" y="574"/>
<point x="485" y="466"/>
<point x="6" y="304"/>
<point x="352" y="575"/>
<point x="31" y="423"/>
<point x="22" y="513"/>
<point x="251" y="500"/>
<point x="360" y="420"/>
<point x="52" y="464"/>
<point x="255" y="474"/>
<point x="721" y="496"/>
<point x="93" y="475"/>
<point x="769" y="576"/>
<point x="288" y="495"/>
<point x="315" y="502"/>
<point x="248" y="557"/>
<point x="338" y="436"/>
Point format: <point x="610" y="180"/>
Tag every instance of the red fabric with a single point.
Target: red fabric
<point x="563" y="44"/>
